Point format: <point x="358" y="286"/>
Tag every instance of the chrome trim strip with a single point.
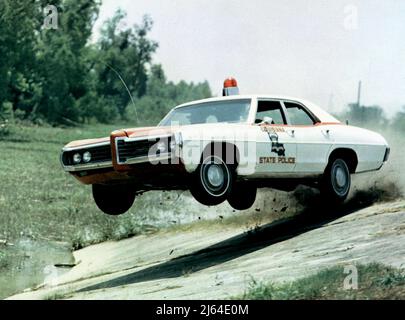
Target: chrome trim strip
<point x="148" y="138"/>
<point x="164" y="156"/>
<point x="282" y="175"/>
<point x="88" y="166"/>
<point x="116" y="148"/>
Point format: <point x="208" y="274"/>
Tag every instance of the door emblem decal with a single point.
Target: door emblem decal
<point x="276" y="147"/>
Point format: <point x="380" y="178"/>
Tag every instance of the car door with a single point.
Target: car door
<point x="275" y="146"/>
<point x="313" y="139"/>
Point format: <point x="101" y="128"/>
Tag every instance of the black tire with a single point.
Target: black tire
<point x="113" y="200"/>
<point x="212" y="181"/>
<point x="335" y="184"/>
<point x="243" y="196"/>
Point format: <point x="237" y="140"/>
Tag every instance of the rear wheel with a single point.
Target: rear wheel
<point x="335" y="184"/>
<point x="113" y="199"/>
<point x="212" y="181"/>
<point x="243" y="196"/>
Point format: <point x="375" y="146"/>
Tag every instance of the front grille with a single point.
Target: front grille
<point x="128" y="149"/>
<point x="98" y="154"/>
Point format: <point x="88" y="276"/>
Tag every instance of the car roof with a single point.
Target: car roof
<point x="318" y="111"/>
<point x="239" y="97"/>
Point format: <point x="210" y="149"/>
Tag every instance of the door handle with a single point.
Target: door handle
<point x="326" y="132"/>
<point x="291" y="132"/>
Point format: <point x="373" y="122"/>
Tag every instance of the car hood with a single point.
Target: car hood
<point x="158" y="131"/>
<point x="130" y="133"/>
<point x="81" y="143"/>
<point x="153" y="131"/>
<point x="148" y="131"/>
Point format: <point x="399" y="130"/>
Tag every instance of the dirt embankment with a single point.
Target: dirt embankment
<point x="219" y="262"/>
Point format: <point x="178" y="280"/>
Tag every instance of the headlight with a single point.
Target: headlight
<point x="86" y="156"/>
<point x="161" y="147"/>
<point x="77" y="158"/>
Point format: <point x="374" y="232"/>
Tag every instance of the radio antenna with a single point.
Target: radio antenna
<point x="126" y="87"/>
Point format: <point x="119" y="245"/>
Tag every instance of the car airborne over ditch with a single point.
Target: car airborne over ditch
<point x="224" y="149"/>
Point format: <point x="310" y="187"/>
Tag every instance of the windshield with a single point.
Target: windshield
<point x="231" y="111"/>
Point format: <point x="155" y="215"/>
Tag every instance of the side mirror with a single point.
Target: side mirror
<point x="267" y="120"/>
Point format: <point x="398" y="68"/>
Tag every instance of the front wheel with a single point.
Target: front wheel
<point x="212" y="181"/>
<point x="243" y="196"/>
<point x="113" y="199"/>
<point x="335" y="184"/>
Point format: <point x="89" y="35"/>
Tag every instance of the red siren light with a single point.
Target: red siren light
<point x="230" y="82"/>
<point x="230" y="87"/>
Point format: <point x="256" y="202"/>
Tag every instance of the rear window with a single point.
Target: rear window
<point x="298" y="115"/>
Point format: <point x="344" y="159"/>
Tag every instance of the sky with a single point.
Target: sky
<point x="313" y="49"/>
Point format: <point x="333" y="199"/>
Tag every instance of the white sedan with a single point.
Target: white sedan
<point x="223" y="149"/>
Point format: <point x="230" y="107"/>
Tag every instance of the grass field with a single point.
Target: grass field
<point x="39" y="200"/>
<point x="375" y="281"/>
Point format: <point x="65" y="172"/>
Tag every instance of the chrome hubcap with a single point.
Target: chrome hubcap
<point x="341" y="178"/>
<point x="215" y="175"/>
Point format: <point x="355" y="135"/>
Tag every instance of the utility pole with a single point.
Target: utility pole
<point x="358" y="94"/>
<point x="358" y="102"/>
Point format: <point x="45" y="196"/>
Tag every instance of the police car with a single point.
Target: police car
<point x="224" y="149"/>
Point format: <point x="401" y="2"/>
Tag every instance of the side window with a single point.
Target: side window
<point x="298" y="115"/>
<point x="270" y="109"/>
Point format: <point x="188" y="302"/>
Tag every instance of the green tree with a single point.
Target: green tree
<point x="18" y="25"/>
<point x="124" y="53"/>
<point x="60" y="77"/>
<point x="62" y="56"/>
<point x="162" y="95"/>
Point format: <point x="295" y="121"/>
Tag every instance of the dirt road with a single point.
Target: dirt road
<point x="219" y="262"/>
